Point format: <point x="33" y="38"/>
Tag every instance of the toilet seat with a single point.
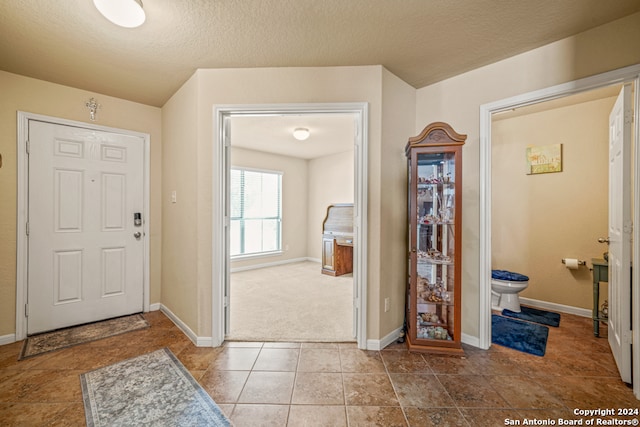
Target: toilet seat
<point x="508" y="276"/>
<point x="505" y="286"/>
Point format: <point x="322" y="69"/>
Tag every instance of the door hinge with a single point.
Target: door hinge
<point x="28" y="146"/>
<point x="226" y="301"/>
<point x="26" y="310"/>
<point x="27" y="228"/>
<point x="627" y="337"/>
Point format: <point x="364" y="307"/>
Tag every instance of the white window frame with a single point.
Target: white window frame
<point x="277" y="251"/>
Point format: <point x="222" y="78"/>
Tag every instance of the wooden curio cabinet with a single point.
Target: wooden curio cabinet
<point x="434" y="256"/>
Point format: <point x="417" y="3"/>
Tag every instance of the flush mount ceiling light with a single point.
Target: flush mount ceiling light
<point x="125" y="13"/>
<point x="301" y="133"/>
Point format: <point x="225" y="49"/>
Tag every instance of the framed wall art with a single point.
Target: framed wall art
<point x="544" y="159"/>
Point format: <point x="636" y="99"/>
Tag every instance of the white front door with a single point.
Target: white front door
<point x="85" y="252"/>
<point x="620" y="229"/>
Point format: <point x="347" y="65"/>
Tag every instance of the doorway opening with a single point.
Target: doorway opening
<point x="629" y="75"/>
<point x="265" y="259"/>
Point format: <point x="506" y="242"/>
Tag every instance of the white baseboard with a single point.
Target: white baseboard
<point x="7" y="339"/>
<point x="388" y="339"/>
<point x="544" y="305"/>
<point x="198" y="341"/>
<point x="271" y="264"/>
<point x="154" y="307"/>
<point x="471" y="340"/>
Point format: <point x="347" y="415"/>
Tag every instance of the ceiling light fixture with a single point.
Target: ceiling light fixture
<point x="125" y="13"/>
<point x="301" y="133"/>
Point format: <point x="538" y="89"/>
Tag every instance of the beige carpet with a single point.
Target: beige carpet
<point x="291" y="302"/>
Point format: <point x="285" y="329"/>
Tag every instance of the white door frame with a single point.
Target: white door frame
<point x="22" y="255"/>
<point x="220" y="245"/>
<point x="629" y="74"/>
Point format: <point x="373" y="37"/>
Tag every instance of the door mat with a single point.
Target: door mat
<point x="534" y="315"/>
<point x="522" y="336"/>
<point x="63" y="338"/>
<point x="154" y="389"/>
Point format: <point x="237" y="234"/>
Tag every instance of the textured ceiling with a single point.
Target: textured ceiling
<point x="421" y="41"/>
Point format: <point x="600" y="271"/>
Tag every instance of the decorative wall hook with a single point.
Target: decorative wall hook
<point x="93" y="106"/>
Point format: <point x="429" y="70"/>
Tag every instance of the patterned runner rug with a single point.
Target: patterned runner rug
<point x="63" y="338"/>
<point x="152" y="389"/>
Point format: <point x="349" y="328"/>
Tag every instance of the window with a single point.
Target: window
<point x="256" y="212"/>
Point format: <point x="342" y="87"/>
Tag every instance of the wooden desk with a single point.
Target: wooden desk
<point x="600" y="274"/>
<point x="337" y="240"/>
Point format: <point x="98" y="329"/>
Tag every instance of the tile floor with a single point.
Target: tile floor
<point x="293" y="384"/>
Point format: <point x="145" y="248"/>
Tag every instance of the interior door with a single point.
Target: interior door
<point x="620" y="229"/>
<point x="86" y="251"/>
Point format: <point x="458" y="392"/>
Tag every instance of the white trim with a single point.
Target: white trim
<point x="23" y="200"/>
<point x="561" y="308"/>
<point x="155" y="306"/>
<point x="196" y="340"/>
<point x="387" y="340"/>
<point x="470" y="340"/>
<point x="270" y="264"/>
<point x="7" y="339"/>
<point x="619" y="76"/>
<point x="219" y="249"/>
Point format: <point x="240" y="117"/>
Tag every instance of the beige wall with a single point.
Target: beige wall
<point x="330" y="181"/>
<point x="397" y="104"/>
<point x="290" y="85"/>
<point x="36" y="96"/>
<point x="294" y="201"/>
<point x="537" y="220"/>
<point x="180" y="234"/>
<point x="458" y="100"/>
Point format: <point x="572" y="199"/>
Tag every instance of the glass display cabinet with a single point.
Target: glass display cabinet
<point x="434" y="220"/>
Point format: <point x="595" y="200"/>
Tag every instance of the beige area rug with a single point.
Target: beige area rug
<point x="153" y="389"/>
<point x="291" y="302"/>
<point x="63" y="338"/>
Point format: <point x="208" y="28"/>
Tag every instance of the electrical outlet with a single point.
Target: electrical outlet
<point x="386" y="305"/>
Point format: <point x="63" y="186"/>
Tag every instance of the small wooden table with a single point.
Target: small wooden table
<point x="600" y="274"/>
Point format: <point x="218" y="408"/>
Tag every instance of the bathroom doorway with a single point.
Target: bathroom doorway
<point x="487" y="112"/>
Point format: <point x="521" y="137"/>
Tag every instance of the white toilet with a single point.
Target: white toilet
<point x="505" y="286"/>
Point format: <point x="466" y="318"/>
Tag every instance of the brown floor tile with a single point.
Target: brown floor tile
<point x="521" y="392"/>
<point x="319" y="360"/>
<point x="489" y="417"/>
<point x="472" y="391"/>
<point x="233" y="358"/>
<point x="317" y="416"/>
<point x="428" y="417"/>
<point x="318" y="388"/>
<point x="277" y="359"/>
<point x="355" y="360"/>
<point x="198" y="358"/>
<point x="404" y="362"/>
<point x="224" y="386"/>
<point x="451" y="365"/>
<point x="268" y="387"/>
<point x="260" y="415"/>
<point x="258" y="383"/>
<point x="421" y="390"/>
<point x="369" y="390"/>
<point x="370" y="416"/>
<point x="31" y="414"/>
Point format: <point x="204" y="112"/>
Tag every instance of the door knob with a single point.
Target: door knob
<point x="604" y="240"/>
<point x="137" y="235"/>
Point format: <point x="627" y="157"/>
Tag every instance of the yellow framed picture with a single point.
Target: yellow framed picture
<point x="544" y="159"/>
